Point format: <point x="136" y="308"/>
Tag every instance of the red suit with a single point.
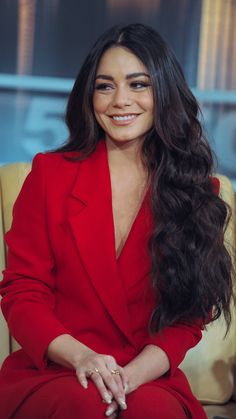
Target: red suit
<point x="63" y="277"/>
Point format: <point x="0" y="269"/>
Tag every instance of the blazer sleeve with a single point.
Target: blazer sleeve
<point x="28" y="284"/>
<point x="176" y="340"/>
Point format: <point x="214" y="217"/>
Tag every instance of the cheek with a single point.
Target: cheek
<point x="99" y="103"/>
<point x="148" y="103"/>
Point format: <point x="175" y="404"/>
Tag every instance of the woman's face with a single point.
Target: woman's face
<point x="123" y="97"/>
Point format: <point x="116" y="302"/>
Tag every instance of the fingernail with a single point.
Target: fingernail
<point x="122" y="403"/>
<point x="84" y="384"/>
<point x="107" y="398"/>
<point x="109" y="411"/>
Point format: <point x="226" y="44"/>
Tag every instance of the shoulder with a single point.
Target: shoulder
<point x="53" y="171"/>
<point x="55" y="165"/>
<point x="55" y="159"/>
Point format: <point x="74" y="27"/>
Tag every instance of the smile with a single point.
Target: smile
<point x="124" y="118"/>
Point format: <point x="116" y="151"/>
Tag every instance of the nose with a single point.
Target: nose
<point x="122" y="97"/>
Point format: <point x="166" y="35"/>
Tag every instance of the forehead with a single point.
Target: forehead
<point x="120" y="59"/>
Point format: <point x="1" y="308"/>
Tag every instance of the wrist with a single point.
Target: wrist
<point x="150" y="364"/>
<point x="133" y="378"/>
<point x="66" y="350"/>
<point x="80" y="354"/>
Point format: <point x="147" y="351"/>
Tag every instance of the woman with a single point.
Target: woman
<point x="116" y="253"/>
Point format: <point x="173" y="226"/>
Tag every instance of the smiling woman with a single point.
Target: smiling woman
<point x="123" y="96"/>
<point x="116" y="251"/>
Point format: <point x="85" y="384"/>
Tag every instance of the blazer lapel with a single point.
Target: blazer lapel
<point x="91" y="222"/>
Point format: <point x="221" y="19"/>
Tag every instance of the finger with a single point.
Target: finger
<point x="117" y="391"/>
<point x="110" y="394"/>
<point x="99" y="383"/>
<point x="117" y="375"/>
<point x="112" y="409"/>
<point x="123" y="377"/>
<point x="116" y="372"/>
<point x="125" y="380"/>
<point x="82" y="379"/>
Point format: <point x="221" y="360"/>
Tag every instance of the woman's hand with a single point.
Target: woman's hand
<point x="148" y="365"/>
<point x="106" y="374"/>
<point x="103" y="370"/>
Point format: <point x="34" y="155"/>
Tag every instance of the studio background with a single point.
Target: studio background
<point x="44" y="42"/>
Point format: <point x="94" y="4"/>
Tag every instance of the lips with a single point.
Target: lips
<point x="124" y="117"/>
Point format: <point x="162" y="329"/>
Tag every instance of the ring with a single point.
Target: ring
<point x="94" y="370"/>
<point x="115" y="372"/>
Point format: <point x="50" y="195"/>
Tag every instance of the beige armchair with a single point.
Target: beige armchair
<point x="12" y="177"/>
<point x="210" y="366"/>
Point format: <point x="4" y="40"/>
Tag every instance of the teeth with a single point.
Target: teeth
<point x="123" y="118"/>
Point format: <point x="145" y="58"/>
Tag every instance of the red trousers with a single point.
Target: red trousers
<point x="64" y="398"/>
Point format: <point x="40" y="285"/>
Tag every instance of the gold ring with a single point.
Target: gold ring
<point x="115" y="372"/>
<point x="94" y="370"/>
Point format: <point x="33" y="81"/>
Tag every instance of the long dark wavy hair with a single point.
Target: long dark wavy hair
<point x="191" y="268"/>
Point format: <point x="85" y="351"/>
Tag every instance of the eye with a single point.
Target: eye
<point x="139" y="85"/>
<point x="103" y="87"/>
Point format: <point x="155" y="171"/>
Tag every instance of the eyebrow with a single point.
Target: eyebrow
<point x="129" y="76"/>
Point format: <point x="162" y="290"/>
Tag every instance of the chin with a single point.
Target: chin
<point x="125" y="139"/>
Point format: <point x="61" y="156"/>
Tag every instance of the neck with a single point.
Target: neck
<point x="127" y="154"/>
<point x="125" y="163"/>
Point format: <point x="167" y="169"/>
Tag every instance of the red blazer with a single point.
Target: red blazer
<point x="63" y="277"/>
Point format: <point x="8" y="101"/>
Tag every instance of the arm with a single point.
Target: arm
<point x="171" y="344"/>
<point x="29" y="283"/>
<point x="159" y="355"/>
<point x="162" y="353"/>
<point x="28" y="291"/>
<point x="175" y="341"/>
<point x="151" y="363"/>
